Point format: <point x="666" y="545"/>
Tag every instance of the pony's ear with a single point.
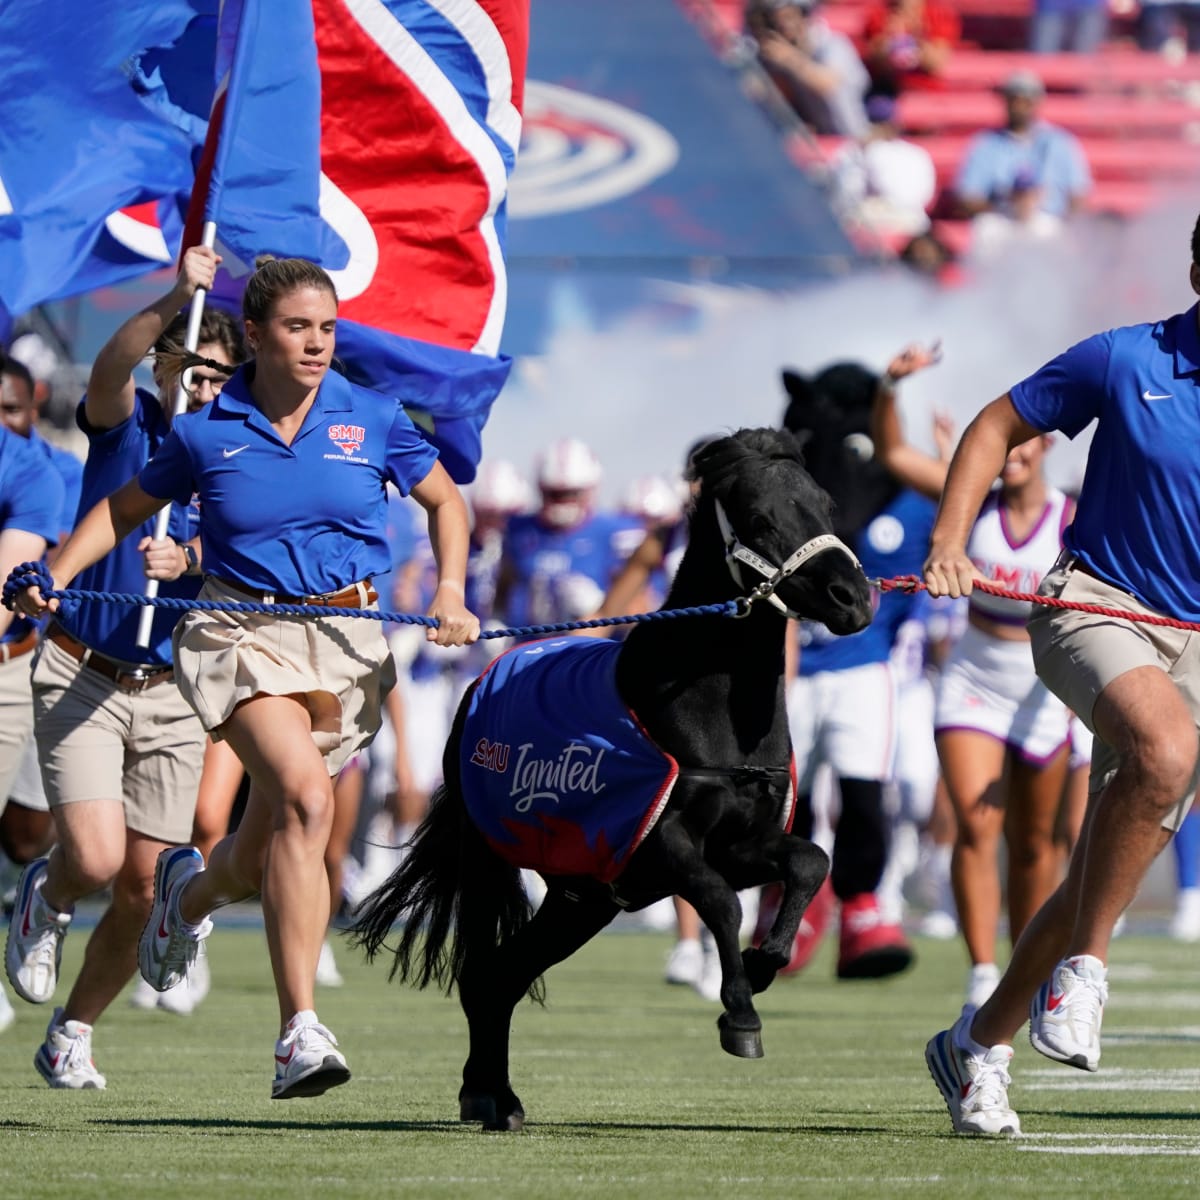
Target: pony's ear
<point x="802" y="400"/>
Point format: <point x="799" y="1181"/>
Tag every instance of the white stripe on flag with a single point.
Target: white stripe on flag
<point x="411" y="59"/>
<point x="480" y="33"/>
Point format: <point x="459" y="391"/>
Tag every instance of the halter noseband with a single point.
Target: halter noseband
<point x="736" y="554"/>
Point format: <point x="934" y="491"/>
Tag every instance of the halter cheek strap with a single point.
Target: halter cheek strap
<point x="737" y="555"/>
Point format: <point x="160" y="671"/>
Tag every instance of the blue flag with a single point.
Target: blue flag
<point x="377" y="139"/>
<point x="90" y="124"/>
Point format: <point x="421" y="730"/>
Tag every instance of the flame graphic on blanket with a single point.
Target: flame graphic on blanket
<point x="553" y="846"/>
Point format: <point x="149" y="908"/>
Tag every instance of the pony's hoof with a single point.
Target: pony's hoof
<point x="481" y="1107"/>
<point x="741" y="1043"/>
<point x="514" y="1122"/>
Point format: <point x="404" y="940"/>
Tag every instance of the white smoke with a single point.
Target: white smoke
<point x="640" y="396"/>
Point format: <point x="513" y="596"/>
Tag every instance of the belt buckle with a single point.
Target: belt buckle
<point x="138" y="680"/>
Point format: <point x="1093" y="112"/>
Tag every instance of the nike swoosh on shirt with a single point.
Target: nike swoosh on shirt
<point x="230" y="453"/>
<point x="1149" y="395"/>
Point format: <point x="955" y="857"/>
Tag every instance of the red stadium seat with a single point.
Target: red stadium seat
<point x="1114" y="69"/>
<point x="928" y="112"/>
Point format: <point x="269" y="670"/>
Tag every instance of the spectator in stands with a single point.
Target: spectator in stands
<point x="906" y="43"/>
<point x="884" y="181"/>
<point x="1003" y="166"/>
<point x="1165" y="24"/>
<point x="1077" y="25"/>
<point x="1024" y="222"/>
<point x="817" y="69"/>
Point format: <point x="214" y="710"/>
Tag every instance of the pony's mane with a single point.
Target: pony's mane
<point x="720" y="460"/>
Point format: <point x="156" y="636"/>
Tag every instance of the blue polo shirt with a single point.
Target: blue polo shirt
<point x="31" y="499"/>
<point x="70" y="471"/>
<point x="1138" y="520"/>
<point x="894" y="542"/>
<point x="301" y="519"/>
<point x="114" y="457"/>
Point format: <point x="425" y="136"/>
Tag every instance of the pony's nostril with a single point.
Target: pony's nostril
<point x="842" y="594"/>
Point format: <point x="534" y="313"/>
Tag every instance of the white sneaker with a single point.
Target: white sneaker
<point x="64" y="1059"/>
<point x="939" y="925"/>
<point x="35" y="935"/>
<point x="685" y="963"/>
<point x="711" y="976"/>
<point x="143" y="996"/>
<point x="185" y="999"/>
<point x="1185" y="924"/>
<point x="307" y="1061"/>
<point x="168" y="948"/>
<point x="1065" y="1016"/>
<point x="7" y="1016"/>
<point x="328" y="974"/>
<point x="981" y="983"/>
<point x="974" y="1087"/>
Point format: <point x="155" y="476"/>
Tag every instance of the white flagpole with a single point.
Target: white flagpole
<point x="191" y="340"/>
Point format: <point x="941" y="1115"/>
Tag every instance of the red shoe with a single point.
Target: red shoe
<point x="871" y="946"/>
<point x="812" y="924"/>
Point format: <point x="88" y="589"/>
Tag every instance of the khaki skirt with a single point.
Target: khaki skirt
<point x="339" y="667"/>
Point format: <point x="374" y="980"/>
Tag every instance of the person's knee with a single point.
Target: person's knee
<point x="1165" y="766"/>
<point x="133" y="894"/>
<point x="1028" y="852"/>
<point x="307" y="808"/>
<point x="88" y="870"/>
<point x="977" y="829"/>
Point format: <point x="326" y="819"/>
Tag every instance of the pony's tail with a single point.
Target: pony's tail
<point x="455" y="896"/>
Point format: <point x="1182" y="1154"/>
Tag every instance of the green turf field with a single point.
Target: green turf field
<point x="626" y="1090"/>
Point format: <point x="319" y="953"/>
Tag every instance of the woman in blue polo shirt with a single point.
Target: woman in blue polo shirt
<point x="290" y="464"/>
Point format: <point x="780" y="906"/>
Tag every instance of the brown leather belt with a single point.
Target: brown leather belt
<point x="14" y="649"/>
<point x="357" y="595"/>
<point x="136" y="680"/>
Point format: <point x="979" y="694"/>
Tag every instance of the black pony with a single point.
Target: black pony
<point x="709" y="692"/>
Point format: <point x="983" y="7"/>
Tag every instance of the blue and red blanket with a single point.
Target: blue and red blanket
<point x="557" y="773"/>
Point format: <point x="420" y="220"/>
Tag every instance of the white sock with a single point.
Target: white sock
<point x="305" y="1016"/>
<point x="964" y="1041"/>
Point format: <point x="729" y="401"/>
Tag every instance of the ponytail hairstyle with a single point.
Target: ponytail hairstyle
<point x="217" y="327"/>
<point x="274" y="278"/>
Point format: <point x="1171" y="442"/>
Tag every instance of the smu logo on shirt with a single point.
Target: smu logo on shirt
<point x="349" y="437"/>
<point x="1014" y="578"/>
<point x="492" y="756"/>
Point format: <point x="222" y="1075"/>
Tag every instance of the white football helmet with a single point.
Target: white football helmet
<point x="500" y="489"/>
<point x="567" y="475"/>
<point x="652" y="499"/>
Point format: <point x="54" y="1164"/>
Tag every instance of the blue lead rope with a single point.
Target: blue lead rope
<point x="35" y="575"/>
<point x="728" y="609"/>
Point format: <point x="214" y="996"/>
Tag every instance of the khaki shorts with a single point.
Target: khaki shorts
<point x="98" y="742"/>
<point x="1078" y="654"/>
<point x="16" y="719"/>
<point x="340" y="666"/>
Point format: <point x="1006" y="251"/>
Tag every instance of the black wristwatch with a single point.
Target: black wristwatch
<point x="193" y="559"/>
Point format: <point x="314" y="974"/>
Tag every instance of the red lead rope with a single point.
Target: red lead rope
<point x="911" y="583"/>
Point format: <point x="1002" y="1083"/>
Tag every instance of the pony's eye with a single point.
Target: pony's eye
<point x="859" y="446"/>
